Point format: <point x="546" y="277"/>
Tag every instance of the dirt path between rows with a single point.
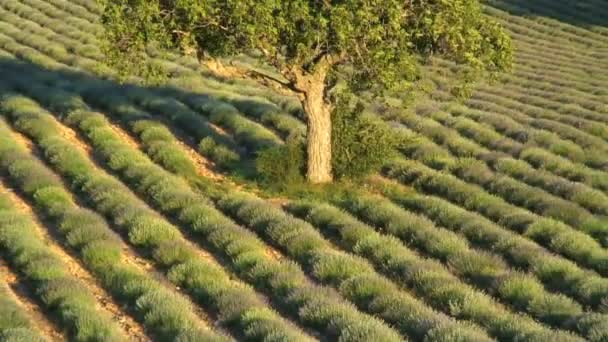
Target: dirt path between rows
<point x="203" y="166"/>
<point x="75" y="139"/>
<point x="129" y="256"/>
<point x="270" y="251"/>
<point x="52" y="238"/>
<point x="105" y="301"/>
<point x="23" y="296"/>
<point x="126" y="137"/>
<point x="203" y="169"/>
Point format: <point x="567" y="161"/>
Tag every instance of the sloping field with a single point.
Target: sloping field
<point x="118" y="220"/>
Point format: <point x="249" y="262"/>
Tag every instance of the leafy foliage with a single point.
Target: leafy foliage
<point x="551" y="119"/>
<point x="367" y="45"/>
<point x="361" y="145"/>
<point x="379" y="40"/>
<point x="282" y="165"/>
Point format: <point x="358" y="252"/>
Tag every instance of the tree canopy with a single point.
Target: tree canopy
<point x="380" y="40"/>
<point x="368" y="44"/>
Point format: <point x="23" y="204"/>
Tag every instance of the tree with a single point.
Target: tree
<point x="369" y="45"/>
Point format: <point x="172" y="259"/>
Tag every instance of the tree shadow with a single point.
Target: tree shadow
<point x="129" y="102"/>
<point x="582" y="13"/>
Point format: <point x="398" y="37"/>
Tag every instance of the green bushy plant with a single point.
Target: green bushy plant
<point x="20" y="335"/>
<point x="282" y="165"/>
<point x="361" y="144"/>
<point x="170" y="155"/>
<point x="15" y="323"/>
<point x="220" y="154"/>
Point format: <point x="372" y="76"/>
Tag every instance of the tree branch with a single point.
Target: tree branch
<point x="269" y="78"/>
<point x="233" y="70"/>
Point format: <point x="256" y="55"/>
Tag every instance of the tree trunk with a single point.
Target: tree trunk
<point x="310" y="88"/>
<point x="318" y="113"/>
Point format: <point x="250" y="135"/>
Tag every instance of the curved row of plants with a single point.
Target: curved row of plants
<point x="581" y="131"/>
<point x="556" y="67"/>
<point x="548" y="232"/>
<point x="326" y="256"/>
<point x="36" y="23"/>
<point x="579" y="98"/>
<point x="559" y="46"/>
<point x="65" y="9"/>
<point x="163" y="312"/>
<point x="433" y="281"/>
<point x="497" y="104"/>
<point x="531" y="98"/>
<point x="51" y="9"/>
<point x="315" y="306"/>
<point x="71" y="301"/>
<point x="566" y="11"/>
<point x="470" y="168"/>
<point x="15" y="40"/>
<point x="274" y="114"/>
<point x="485" y="270"/>
<point x="536" y="74"/>
<point x="558" y="274"/>
<point x="524" y="136"/>
<point x="213" y="145"/>
<point x="564" y="132"/>
<point x="74" y="9"/>
<point x="539" y="112"/>
<point x="235" y="304"/>
<point x="565" y="163"/>
<point x="544" y="28"/>
<point x="553" y="63"/>
<point x="158" y="142"/>
<point x="591" y="199"/>
<point x="245" y="131"/>
<point x="15" y="322"/>
<point x="529" y="88"/>
<point x="163" y="147"/>
<point x="10" y="49"/>
<point x="583" y="110"/>
<point x="354" y="277"/>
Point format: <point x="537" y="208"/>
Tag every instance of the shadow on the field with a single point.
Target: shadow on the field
<point x="583" y="13"/>
<point x="234" y="152"/>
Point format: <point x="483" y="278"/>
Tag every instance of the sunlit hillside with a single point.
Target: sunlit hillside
<point x="126" y="214"/>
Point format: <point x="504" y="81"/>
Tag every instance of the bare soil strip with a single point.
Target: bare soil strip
<point x="73" y="137"/>
<point x="202" y="166"/>
<point x="104" y="300"/>
<point x="77" y="140"/>
<point x="21" y="294"/>
<point x="130" y="255"/>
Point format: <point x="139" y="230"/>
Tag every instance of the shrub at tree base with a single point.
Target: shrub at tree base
<point x="282" y="165"/>
<point x="370" y="45"/>
<point x="361" y="145"/>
